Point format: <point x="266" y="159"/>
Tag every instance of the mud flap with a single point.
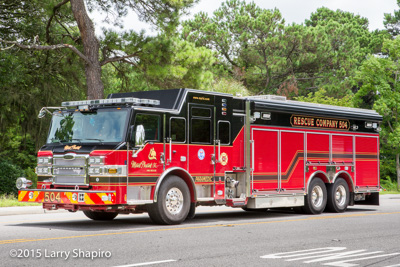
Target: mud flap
<point x="372" y="199"/>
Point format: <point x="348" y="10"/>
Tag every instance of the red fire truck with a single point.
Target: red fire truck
<point x="166" y="152"/>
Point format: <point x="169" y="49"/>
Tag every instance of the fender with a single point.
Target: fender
<point x="317" y="174"/>
<point x="348" y="180"/>
<point x="181" y="173"/>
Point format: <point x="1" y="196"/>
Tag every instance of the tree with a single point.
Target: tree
<point x="255" y="47"/>
<point x="321" y="97"/>
<point x="30" y="79"/>
<point x="349" y="43"/>
<point x="392" y="22"/>
<point x="380" y="79"/>
<point x="69" y="14"/>
<point x="247" y="39"/>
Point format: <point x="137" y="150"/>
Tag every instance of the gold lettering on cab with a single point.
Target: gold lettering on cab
<point x="143" y="165"/>
<point x="73" y="147"/>
<point x="202" y="98"/>
<point x="203" y="179"/>
<point x="317" y="122"/>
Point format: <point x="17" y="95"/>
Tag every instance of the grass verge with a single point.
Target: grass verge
<point x="389" y="192"/>
<point x="12" y="201"/>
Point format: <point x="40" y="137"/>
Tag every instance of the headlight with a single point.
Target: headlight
<point x="96" y="160"/>
<point x="43" y="160"/>
<point x="43" y="170"/>
<point x="22" y="182"/>
<point x="95" y="170"/>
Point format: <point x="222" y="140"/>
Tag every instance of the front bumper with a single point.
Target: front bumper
<point x="67" y="197"/>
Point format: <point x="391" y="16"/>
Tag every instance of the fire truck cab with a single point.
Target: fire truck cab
<point x="165" y="152"/>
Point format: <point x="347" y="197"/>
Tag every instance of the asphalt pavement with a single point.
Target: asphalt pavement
<point x="217" y="236"/>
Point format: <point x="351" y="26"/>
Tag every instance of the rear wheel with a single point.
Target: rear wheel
<point x="100" y="215"/>
<point x="173" y="202"/>
<point x="316" y="199"/>
<point x="338" y="196"/>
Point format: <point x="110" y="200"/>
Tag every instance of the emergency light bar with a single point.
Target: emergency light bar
<point x="127" y="100"/>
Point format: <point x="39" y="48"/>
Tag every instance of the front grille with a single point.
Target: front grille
<point x="70" y="180"/>
<point x="69" y="162"/>
<point x="70" y="171"/>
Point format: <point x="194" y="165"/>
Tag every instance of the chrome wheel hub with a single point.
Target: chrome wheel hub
<point x="174" y="200"/>
<point x="340" y="195"/>
<point x="317" y="196"/>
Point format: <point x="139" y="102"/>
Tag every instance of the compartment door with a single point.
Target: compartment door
<point x="265" y="160"/>
<point x="292" y="161"/>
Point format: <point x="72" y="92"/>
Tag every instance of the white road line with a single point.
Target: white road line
<point x="145" y="263"/>
<point x="393" y="265"/>
<point x="346" y="263"/>
<point x="342" y="255"/>
<point x="300" y="253"/>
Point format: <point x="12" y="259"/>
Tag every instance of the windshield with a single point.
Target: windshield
<point x="103" y="125"/>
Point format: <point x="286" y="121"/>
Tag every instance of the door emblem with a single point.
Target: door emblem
<point x="152" y="154"/>
<point x="223" y="159"/>
<point x="201" y="154"/>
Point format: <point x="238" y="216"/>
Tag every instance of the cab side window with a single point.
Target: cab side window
<point x="224" y="130"/>
<point x="201" y="125"/>
<point x="147" y="128"/>
<point x="177" y="130"/>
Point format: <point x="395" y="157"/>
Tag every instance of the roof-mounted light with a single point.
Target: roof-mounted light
<point x="111" y="101"/>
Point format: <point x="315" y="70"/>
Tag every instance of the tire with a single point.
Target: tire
<point x="338" y="196"/>
<point x="173" y="202"/>
<point x="315" y="200"/>
<point x="192" y="212"/>
<point x="100" y="215"/>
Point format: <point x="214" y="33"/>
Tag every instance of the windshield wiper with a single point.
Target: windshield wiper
<point x="77" y="139"/>
<point x="96" y="139"/>
<point x="57" y="140"/>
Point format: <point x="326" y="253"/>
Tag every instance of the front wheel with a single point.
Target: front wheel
<point x="316" y="199"/>
<point x="338" y="196"/>
<point x="173" y="202"/>
<point x="100" y="215"/>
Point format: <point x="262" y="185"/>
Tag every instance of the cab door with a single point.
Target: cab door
<point x="176" y="143"/>
<point x="145" y="156"/>
<point x="201" y="156"/>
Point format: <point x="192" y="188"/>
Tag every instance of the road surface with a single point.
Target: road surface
<point x="218" y="236"/>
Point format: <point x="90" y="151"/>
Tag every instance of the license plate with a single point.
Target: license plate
<point x="52" y="197"/>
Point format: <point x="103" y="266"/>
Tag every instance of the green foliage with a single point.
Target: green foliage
<point x="247" y="39"/>
<point x="255" y="47"/>
<point x="164" y="14"/>
<point x="170" y="62"/>
<point x="389" y="185"/>
<point x="229" y="86"/>
<point x="9" y="200"/>
<point x="349" y="43"/>
<point x="18" y="149"/>
<point x="8" y="176"/>
<point x="380" y="87"/>
<point x="392" y="22"/>
<point x="321" y="97"/>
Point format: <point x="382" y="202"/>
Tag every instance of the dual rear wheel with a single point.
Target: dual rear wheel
<point x="333" y="197"/>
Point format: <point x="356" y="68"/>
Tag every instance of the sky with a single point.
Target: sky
<point x="292" y="10"/>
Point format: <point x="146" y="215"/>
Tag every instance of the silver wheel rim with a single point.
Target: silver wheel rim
<point x="317" y="196"/>
<point x="340" y="195"/>
<point x="174" y="201"/>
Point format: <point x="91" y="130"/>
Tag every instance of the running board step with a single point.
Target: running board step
<point x="275" y="202"/>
